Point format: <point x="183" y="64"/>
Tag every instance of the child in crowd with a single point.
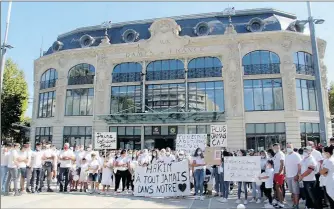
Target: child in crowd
<point x="269" y="182"/>
<point x="83" y="175"/>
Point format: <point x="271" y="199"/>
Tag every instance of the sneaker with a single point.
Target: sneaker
<point x="28" y="190"/>
<point x="201" y="198"/>
<point x="245" y="202"/>
<point x="238" y="201"/>
<point x="49" y="190"/>
<point x="124" y="192"/>
<point x="23" y="192"/>
<point x="91" y="191"/>
<point x="258" y="201"/>
<point x="280" y="205"/>
<point x="274" y="201"/>
<point x="196" y="197"/>
<point x="221" y="199"/>
<point x="225" y="200"/>
<point x="266" y="201"/>
<point x="252" y="200"/>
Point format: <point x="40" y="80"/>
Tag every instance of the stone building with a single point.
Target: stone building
<point x="150" y="80"/>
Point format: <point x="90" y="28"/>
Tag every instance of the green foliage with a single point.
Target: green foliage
<point x="14" y="98"/>
<point x="331" y="98"/>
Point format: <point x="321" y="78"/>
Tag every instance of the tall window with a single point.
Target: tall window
<point x="127" y="72"/>
<point x="165" y="70"/>
<point x="77" y="135"/>
<point x="309" y="132"/>
<point x="304" y="63"/>
<point x="126" y="99"/>
<point x="266" y="94"/>
<point x="206" y="96"/>
<point x="128" y="137"/>
<point x="306" y="95"/>
<point x="261" y="136"/>
<point x="47" y="104"/>
<point x="48" y="79"/>
<point x="261" y="62"/>
<point x="79" y="102"/>
<point x="81" y="74"/>
<point x="43" y="134"/>
<point x="166" y="97"/>
<point x="204" y="67"/>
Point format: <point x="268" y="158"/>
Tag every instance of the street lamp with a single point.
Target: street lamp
<point x="315" y="57"/>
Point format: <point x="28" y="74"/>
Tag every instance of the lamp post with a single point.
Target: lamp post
<point x="4" y="48"/>
<point x="316" y="64"/>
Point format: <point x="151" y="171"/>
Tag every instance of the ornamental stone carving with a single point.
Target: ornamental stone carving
<point x="286" y="43"/>
<point x="164" y="26"/>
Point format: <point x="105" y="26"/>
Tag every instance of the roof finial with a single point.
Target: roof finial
<point x="230" y="28"/>
<point x="106" y="25"/>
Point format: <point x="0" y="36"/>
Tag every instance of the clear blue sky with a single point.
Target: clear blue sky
<point x="30" y="21"/>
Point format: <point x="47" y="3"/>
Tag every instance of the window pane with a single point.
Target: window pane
<point x="67" y="130"/>
<point x="270" y="128"/>
<point x="280" y="127"/>
<point x="82" y="130"/>
<point x="259" y="128"/>
<point x="129" y="130"/>
<point x="164" y="130"/>
<point x="121" y="131"/>
<point x="302" y="128"/>
<point x="88" y="130"/>
<point x="315" y="127"/>
<point x="309" y="128"/>
<point x="113" y="129"/>
<point x="148" y="130"/>
<point x="137" y="130"/>
<point x="191" y="129"/>
<point x="74" y="130"/>
<point x="181" y="129"/>
<point x="250" y="128"/>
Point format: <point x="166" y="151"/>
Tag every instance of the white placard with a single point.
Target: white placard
<point x="162" y="180"/>
<point x="190" y="142"/>
<point x="246" y="168"/>
<point x="105" y="140"/>
<point x="218" y="136"/>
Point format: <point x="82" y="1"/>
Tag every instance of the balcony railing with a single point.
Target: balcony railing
<point x="165" y="75"/>
<point x="126" y="77"/>
<point x="304" y="69"/>
<point x="48" y="84"/>
<point x="205" y="72"/>
<point x="78" y="80"/>
<point x="256" y="69"/>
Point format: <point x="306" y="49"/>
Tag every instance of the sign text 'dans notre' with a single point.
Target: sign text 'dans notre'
<point x="148" y="53"/>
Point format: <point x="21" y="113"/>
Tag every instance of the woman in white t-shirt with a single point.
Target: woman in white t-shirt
<point x="327" y="170"/>
<point x="106" y="180"/>
<point x="155" y="157"/>
<point x="199" y="166"/>
<point x="93" y="169"/>
<point x="122" y="165"/>
<point x="308" y="166"/>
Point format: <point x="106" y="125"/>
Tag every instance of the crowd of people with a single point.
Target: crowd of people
<point x="307" y="173"/>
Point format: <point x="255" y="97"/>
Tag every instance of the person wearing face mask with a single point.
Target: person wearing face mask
<point x="292" y="171"/>
<point x="278" y="159"/>
<point x="22" y="167"/>
<point x="308" y="166"/>
<point x="13" y="169"/>
<point x="93" y="170"/>
<point x="79" y="155"/>
<point x="199" y="166"/>
<point x="168" y="157"/>
<point x="327" y="171"/>
<point x="37" y="166"/>
<point x="181" y="156"/>
<point x="66" y="157"/>
<point x="133" y="163"/>
<point x="49" y="159"/>
<point x="155" y="157"/>
<point x="264" y="160"/>
<point x="144" y="158"/>
<point x="122" y="164"/>
<point x="224" y="185"/>
<point x="269" y="179"/>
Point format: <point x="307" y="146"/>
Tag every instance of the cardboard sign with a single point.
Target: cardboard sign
<point x="212" y="155"/>
<point x="245" y="168"/>
<point x="105" y="140"/>
<point x="190" y="142"/>
<point x="162" y="180"/>
<point x="218" y="136"/>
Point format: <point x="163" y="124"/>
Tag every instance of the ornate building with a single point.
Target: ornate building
<point x="150" y="80"/>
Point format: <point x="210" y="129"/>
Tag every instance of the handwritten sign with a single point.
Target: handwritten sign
<point x="162" y="180"/>
<point x="212" y="155"/>
<point x="105" y="140"/>
<point x="246" y="169"/>
<point x="218" y="136"/>
<point x="190" y="142"/>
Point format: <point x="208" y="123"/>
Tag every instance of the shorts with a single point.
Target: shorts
<point x="293" y="186"/>
<point x="93" y="177"/>
<point x="279" y="179"/>
<point x="22" y="172"/>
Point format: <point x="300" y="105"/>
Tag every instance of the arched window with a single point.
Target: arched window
<point x="81" y="74"/>
<point x="304" y="63"/>
<point x="48" y="79"/>
<point x="165" y="70"/>
<point x="261" y="62"/>
<point x="204" y="67"/>
<point x="127" y="72"/>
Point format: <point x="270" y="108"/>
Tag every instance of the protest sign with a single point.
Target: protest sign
<point x="105" y="140"/>
<point x="212" y="155"/>
<point x="162" y="180"/>
<point x="218" y="136"/>
<point x="190" y="142"/>
<point x="245" y="168"/>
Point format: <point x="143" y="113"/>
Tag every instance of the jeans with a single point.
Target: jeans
<point x="64" y="175"/>
<point x="12" y="176"/>
<point x="221" y="185"/>
<point x="311" y="201"/>
<point x="239" y="189"/>
<point x="48" y="170"/>
<point x="4" y="175"/>
<point x="199" y="181"/>
<point x="255" y="191"/>
<point x="29" y="173"/>
<point x="36" y="179"/>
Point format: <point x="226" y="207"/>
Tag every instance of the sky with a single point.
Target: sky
<point x="37" y="24"/>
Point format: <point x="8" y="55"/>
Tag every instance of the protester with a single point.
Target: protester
<point x="13" y="169"/>
<point x="327" y="171"/>
<point x="269" y="179"/>
<point x="241" y="153"/>
<point x="278" y="160"/>
<point x="93" y="170"/>
<point x="264" y="160"/>
<point x="22" y="160"/>
<point x="4" y="166"/>
<point x="224" y="185"/>
<point x="199" y="166"/>
<point x="122" y="166"/>
<point x="66" y="157"/>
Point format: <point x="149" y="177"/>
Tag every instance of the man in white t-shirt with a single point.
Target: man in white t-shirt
<point x="292" y="171"/>
<point x="37" y="169"/>
<point x="168" y="157"/>
<point x="66" y="157"/>
<point x="49" y="160"/>
<point x="4" y="165"/>
<point x="278" y="159"/>
<point x="316" y="155"/>
<point x="29" y="168"/>
<point x="22" y="167"/>
<point x="13" y="169"/>
<point x="79" y="155"/>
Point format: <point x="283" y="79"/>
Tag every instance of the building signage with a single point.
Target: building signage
<point x="105" y="140"/>
<point x="172" y="130"/>
<point x="218" y="136"/>
<point x="156" y="130"/>
<point x="190" y="142"/>
<point x="176" y="51"/>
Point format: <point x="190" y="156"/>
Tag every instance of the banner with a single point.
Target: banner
<point x="245" y="168"/>
<point x="218" y="136"/>
<point x="105" y="140"/>
<point x="190" y="142"/>
<point x="162" y="180"/>
<point x="212" y="155"/>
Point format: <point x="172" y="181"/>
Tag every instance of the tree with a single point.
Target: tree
<point x="14" y="99"/>
<point x="331" y="98"/>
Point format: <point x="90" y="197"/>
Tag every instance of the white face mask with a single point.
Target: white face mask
<point x="289" y="150"/>
<point x="199" y="152"/>
<point x="305" y="154"/>
<point x="167" y="153"/>
<point x="154" y="154"/>
<point x="309" y="147"/>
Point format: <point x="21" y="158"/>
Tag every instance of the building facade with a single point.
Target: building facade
<point x="153" y="79"/>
